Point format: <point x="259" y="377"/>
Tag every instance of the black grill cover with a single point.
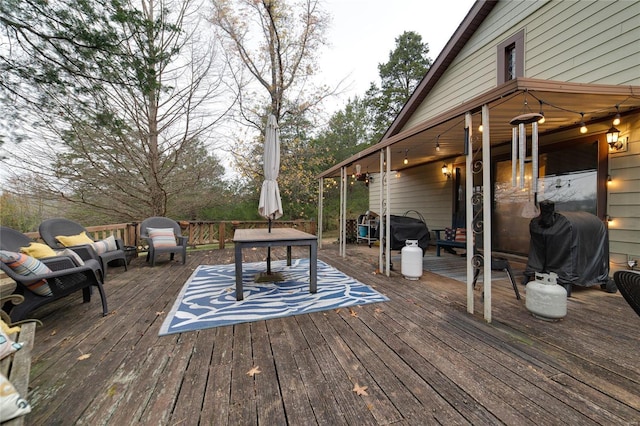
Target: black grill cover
<point x="405" y="228"/>
<point x="574" y="245"/>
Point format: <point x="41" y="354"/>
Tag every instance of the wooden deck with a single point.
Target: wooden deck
<point x="423" y="358"/>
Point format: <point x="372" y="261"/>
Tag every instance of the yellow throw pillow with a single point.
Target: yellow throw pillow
<point x="74" y="240"/>
<point x="38" y="250"/>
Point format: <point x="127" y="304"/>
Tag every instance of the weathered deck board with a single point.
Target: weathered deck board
<point x="424" y="359"/>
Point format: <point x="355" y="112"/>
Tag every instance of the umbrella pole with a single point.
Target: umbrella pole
<point x="269" y="252"/>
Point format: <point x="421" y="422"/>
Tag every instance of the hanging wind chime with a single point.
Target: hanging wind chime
<point x="519" y="154"/>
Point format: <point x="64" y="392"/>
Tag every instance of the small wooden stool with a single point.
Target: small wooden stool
<point x="499" y="264"/>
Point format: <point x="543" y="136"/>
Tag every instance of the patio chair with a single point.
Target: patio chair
<point x="154" y="230"/>
<point x="59" y="277"/>
<point x="628" y="282"/>
<point x="51" y="229"/>
<point x="15" y="241"/>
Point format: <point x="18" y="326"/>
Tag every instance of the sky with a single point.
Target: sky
<point x="363" y="32"/>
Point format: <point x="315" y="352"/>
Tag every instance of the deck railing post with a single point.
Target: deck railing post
<point x="221" y="235"/>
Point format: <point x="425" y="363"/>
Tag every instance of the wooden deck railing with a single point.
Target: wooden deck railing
<point x="215" y="233"/>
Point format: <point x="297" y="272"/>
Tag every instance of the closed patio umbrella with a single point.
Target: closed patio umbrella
<point x="270" y="205"/>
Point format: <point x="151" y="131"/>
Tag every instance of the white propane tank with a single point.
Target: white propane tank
<point x="545" y="298"/>
<point x="411" y="260"/>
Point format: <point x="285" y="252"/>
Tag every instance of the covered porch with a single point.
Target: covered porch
<point x="573" y="135"/>
<point x="422" y="357"/>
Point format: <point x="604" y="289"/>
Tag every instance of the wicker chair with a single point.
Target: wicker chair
<point x="51" y="228"/>
<point x="163" y="222"/>
<point x="628" y="282"/>
<point x="64" y="279"/>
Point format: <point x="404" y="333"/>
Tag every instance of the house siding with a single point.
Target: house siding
<point x="624" y="198"/>
<point x="423" y="189"/>
<point x="564" y="41"/>
<point x="474" y="70"/>
<point x="580" y="42"/>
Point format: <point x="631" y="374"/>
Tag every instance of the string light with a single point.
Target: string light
<point x="438" y="143"/>
<point x="406" y="160"/>
<point x="583" y="127"/>
<point x="541" y="120"/>
<point x="616" y="119"/>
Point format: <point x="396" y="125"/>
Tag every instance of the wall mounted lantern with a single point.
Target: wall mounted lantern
<point x="445" y="171"/>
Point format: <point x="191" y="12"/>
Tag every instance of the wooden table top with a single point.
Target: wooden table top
<point x="276" y="234"/>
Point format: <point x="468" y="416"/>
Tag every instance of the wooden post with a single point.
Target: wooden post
<point x="221" y="235"/>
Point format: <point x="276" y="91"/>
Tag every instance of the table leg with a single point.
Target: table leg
<point x="288" y="255"/>
<point x="238" y="258"/>
<point x="313" y="267"/>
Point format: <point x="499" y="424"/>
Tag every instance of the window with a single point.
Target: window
<point x="510" y="62"/>
<point x="511" y="58"/>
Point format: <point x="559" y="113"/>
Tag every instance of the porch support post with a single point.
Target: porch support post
<point x="469" y="208"/>
<point x="341" y="225"/>
<point x="320" y="206"/>
<point x="387" y="231"/>
<point x="486" y="209"/>
<point x="381" y="212"/>
<point x="344" y="209"/>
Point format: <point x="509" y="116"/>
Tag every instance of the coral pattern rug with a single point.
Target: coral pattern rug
<point x="208" y="298"/>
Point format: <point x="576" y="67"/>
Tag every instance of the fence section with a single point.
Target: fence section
<point x="201" y="233"/>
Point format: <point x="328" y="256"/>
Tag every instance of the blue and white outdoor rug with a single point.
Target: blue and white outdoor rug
<point x="208" y="298"/>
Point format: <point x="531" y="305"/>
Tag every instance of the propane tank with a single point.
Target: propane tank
<point x="411" y="260"/>
<point x="545" y="298"/>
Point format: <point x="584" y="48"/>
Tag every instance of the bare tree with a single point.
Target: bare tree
<point x="272" y="48"/>
<point x="131" y="138"/>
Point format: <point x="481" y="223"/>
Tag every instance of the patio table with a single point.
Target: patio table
<point x="249" y="238"/>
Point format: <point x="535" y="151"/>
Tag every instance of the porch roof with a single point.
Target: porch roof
<point x="562" y="104"/>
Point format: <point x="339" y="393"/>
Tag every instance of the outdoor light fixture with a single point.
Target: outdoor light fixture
<point x="406" y="160"/>
<point x="438" y="143"/>
<point x="608" y="218"/>
<point x="613" y="135"/>
<point x="616" y="119"/>
<point x="480" y="128"/>
<point x="583" y="127"/>
<point x="445" y="171"/>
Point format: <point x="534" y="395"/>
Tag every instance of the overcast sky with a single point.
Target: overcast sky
<point x="363" y="32"/>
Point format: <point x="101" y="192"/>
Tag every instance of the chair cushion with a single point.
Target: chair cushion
<point x="449" y="234"/>
<point x="162" y="237"/>
<point x="38" y="250"/>
<point x="12" y="404"/>
<point x="72" y="254"/>
<point x="7" y="345"/>
<point x="28" y="266"/>
<point x="74" y="240"/>
<point x="106" y="245"/>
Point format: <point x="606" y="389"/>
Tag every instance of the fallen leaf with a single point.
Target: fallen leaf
<point x="159" y="313"/>
<point x="353" y="313"/>
<point x="112" y="391"/>
<point x="255" y="370"/>
<point x="54" y="332"/>
<point x="83" y="357"/>
<point x="360" y="390"/>
<point x="338" y="311"/>
<point x="378" y="311"/>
